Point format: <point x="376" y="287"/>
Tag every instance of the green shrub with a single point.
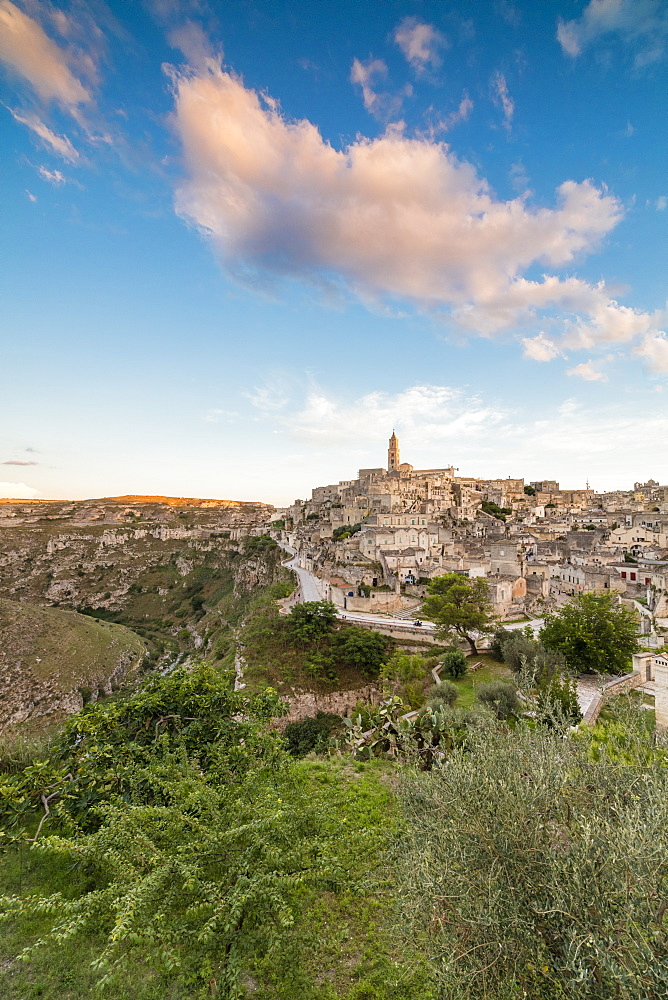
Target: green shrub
<point x="310" y="734"/>
<point x="530" y="870"/>
<point x="500" y="697"/>
<point x="454" y="664"/>
<point x="445" y="693"/>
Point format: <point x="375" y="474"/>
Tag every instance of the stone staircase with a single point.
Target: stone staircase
<point x="408" y="613"/>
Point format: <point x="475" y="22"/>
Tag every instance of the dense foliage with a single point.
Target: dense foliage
<point x="459" y="604"/>
<point x="360" y="648"/>
<point x="194" y="830"/>
<point x="312" y="733"/>
<point x="594" y="633"/>
<point x="311" y="621"/>
<point x="534" y="870"/>
<point x="454" y="664"/>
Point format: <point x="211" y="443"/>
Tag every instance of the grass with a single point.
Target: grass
<point x="342" y="945"/>
<point x="47" y="655"/>
<point x="490" y="670"/>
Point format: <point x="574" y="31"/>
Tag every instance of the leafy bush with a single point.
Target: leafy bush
<point x="500" y="697"/>
<point x="253" y="544"/>
<point x="530" y="870"/>
<point x="594" y="633"/>
<point x="310" y="734"/>
<point x="345" y="531"/>
<point x="496" y="645"/>
<point x="521" y="651"/>
<point x="557" y="699"/>
<point x="445" y="693"/>
<point x="454" y="664"/>
<point x="311" y="621"/>
<point x="361" y="649"/>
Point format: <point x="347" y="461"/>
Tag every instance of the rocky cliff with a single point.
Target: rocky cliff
<point x="178" y="574"/>
<point x="53" y="661"/>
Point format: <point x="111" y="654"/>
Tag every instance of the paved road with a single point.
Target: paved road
<point x="309" y="585"/>
<point x="310" y="590"/>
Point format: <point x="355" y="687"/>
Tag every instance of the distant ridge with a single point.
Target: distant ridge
<point x="131" y="498"/>
<point x="187" y="501"/>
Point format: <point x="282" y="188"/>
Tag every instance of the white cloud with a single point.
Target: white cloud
<point x="420" y="43"/>
<point x="503" y="99"/>
<point x="28" y="51"/>
<point x="654" y="349"/>
<point x="31" y="196"/>
<point x="540" y="348"/>
<point x="662" y="203"/>
<point x="17" y="491"/>
<point x="190" y="39"/>
<point x="51" y="176"/>
<point x="588" y="371"/>
<point x="215" y="415"/>
<point x="59" y="144"/>
<point x="640" y="24"/>
<point x="391" y="219"/>
<point x="364" y="74"/>
<point x="445" y="123"/>
<point x="443" y="425"/>
<point x="381" y="104"/>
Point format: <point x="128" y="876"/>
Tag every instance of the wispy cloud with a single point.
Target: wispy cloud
<point x="503" y="99"/>
<point x="27" y="50"/>
<point x="51" y="176"/>
<point x="444" y="123"/>
<point x="13" y="462"/>
<point x="642" y="25"/>
<point x="442" y="425"/>
<point x="58" y="144"/>
<point x="420" y="43"/>
<point x="215" y="416"/>
<point x="382" y="104"/>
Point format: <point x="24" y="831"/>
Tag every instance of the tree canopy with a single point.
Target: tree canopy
<point x="312" y="620"/>
<point x="456" y="603"/>
<point x="594" y="633"/>
<point x="359" y="648"/>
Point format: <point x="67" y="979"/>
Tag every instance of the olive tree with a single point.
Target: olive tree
<point x="529" y="869"/>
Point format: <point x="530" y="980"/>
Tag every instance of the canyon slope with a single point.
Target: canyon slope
<point x="93" y="590"/>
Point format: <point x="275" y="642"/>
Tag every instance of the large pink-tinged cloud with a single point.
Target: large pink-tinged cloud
<point x="388" y="218"/>
<point x="30" y="53"/>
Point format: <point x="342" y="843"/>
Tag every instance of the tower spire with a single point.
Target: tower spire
<point x="393" y="459"/>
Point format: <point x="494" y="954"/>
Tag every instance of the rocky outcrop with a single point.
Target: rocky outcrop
<point x="306" y="704"/>
<point x="52" y="661"/>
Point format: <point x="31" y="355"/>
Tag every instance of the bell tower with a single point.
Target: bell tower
<point x="393" y="460"/>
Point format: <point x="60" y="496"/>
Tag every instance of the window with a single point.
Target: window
<point x="623" y="574"/>
<point x="633" y="576"/>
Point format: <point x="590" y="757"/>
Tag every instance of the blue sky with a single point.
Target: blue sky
<point x="243" y="241"/>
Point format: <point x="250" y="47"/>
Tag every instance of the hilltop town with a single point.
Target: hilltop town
<point x="376" y="541"/>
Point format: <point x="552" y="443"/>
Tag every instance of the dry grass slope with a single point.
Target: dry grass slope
<point x="52" y="660"/>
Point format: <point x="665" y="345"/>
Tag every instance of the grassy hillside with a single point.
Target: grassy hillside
<point x="53" y="661"/>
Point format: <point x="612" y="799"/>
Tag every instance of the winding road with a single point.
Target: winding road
<point x="310" y="589"/>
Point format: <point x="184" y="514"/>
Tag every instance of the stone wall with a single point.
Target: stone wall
<point x="612" y="688"/>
